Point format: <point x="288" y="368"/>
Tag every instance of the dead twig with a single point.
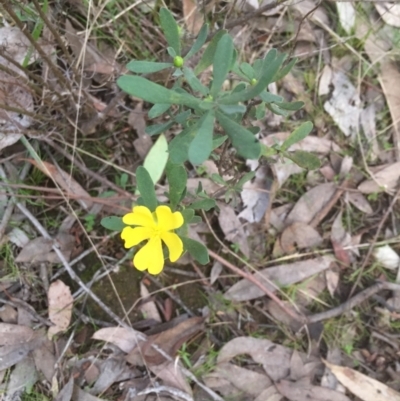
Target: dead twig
<point x="352" y="302"/>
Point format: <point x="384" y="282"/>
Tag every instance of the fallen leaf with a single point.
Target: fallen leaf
<point x="347" y="15"/>
<point x="148" y="306"/>
<point x="325" y="81"/>
<point x="12" y="334"/>
<point x="344" y="105"/>
<point x="311" y="203"/>
<point x="18" y="237"/>
<point x="124" y="338"/>
<point x="390" y="12"/>
<point x="45" y="360"/>
<point x="232" y="228"/>
<point x="65" y="181"/>
<point x="384" y="180"/>
<point x="362" y="386"/>
<point x="387" y="257"/>
<point x="304" y="390"/>
<point x="357" y="199"/>
<point x="171" y="374"/>
<point x="329" y="380"/>
<point x="310" y="9"/>
<point x="60" y="303"/>
<point x="193" y="17"/>
<point x="300" y="235"/>
<point x="282" y="276"/>
<point x="283" y="170"/>
<point x="256" y="196"/>
<point x="215" y="272"/>
<point x="80" y="395"/>
<point x="8" y="314"/>
<point x="136" y="120"/>
<point x="341" y="239"/>
<point x="332" y="281"/>
<point x="66" y="392"/>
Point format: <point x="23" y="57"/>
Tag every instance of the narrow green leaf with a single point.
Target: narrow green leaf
<point x="260" y="111"/>
<point x="196" y="249"/>
<point x="285" y="70"/>
<point x="157" y="158"/>
<point x="276" y="109"/>
<point x="147" y="67"/>
<point x="158" y="128"/>
<point x="232" y="108"/>
<point x="205" y="204"/>
<point x="199" y="42"/>
<point x="145" y="186"/>
<point x="221" y="63"/>
<point x="177" y="179"/>
<point x="158" y="109"/>
<point x="194" y="82"/>
<point x="182" y="117"/>
<point x="268" y="59"/>
<point x="171" y="51"/>
<point x="170" y="29"/>
<point x="236" y="69"/>
<point x="113" y="223"/>
<point x="246" y="144"/>
<point x="247" y="177"/>
<point x="179" y="146"/>
<point x="304" y="159"/>
<point x="218" y="179"/>
<point x="293" y="106"/>
<point x="257" y="66"/>
<point x="201" y="146"/>
<point x="208" y="55"/>
<point x="154" y="93"/>
<point x="218" y="141"/>
<point x="269" y="97"/>
<point x="297" y="135"/>
<point x="247" y="70"/>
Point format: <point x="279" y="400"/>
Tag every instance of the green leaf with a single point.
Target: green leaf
<point x="201" y="146"/>
<point x="208" y="55"/>
<point x="177" y="179"/>
<point x="171" y="52"/>
<point x="196" y="249"/>
<point x="304" y="159"/>
<point x="239" y="87"/>
<point x="232" y="108"/>
<point x="188" y="215"/>
<point x="257" y="66"/>
<point x="297" y="135"/>
<point x="293" y="106"/>
<point x="247" y="177"/>
<point x="157" y="158"/>
<point x="194" y="82"/>
<point x="147" y="67"/>
<point x="158" y="109"/>
<point x="145" y="186"/>
<point x="170" y="29"/>
<point x="218" y="179"/>
<point x="269" y="97"/>
<point x="285" y="70"/>
<point x="243" y="140"/>
<point x="260" y="111"/>
<point x="199" y="42"/>
<point x="154" y="93"/>
<point x="158" y="128"/>
<point x="218" y="141"/>
<point x="205" y="204"/>
<point x="179" y="146"/>
<point x="221" y="63"/>
<point x="182" y="117"/>
<point x="247" y="70"/>
<point x="276" y="109"/>
<point x="113" y="223"/>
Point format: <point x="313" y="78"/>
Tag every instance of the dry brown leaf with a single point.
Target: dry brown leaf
<point x="171" y="374"/>
<point x="148" y="307"/>
<point x="66" y="392"/>
<point x="385" y="179"/>
<point x="65" y="181"/>
<point x="359" y="201"/>
<point x="332" y="281"/>
<point x="389" y="11"/>
<point x="282" y="276"/>
<point x="347" y="15"/>
<point x="301" y="235"/>
<point x="341" y="239"/>
<point x="364" y="387"/>
<point x="60" y="307"/>
<point x="123" y="338"/>
<point x="12" y="334"/>
<point x="309" y="9"/>
<point x="45" y="360"/>
<point x="304" y="390"/>
<point x="232" y="228"/>
<point x="170" y="340"/>
<point x="136" y="120"/>
<point x="311" y="203"/>
<point x="194" y="19"/>
<point x="40" y="250"/>
<point x="234" y="381"/>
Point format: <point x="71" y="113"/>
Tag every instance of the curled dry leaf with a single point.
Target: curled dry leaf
<point x="60" y="307"/>
<point x="65" y="181"/>
<point x="385" y="179"/>
<point x="311" y="203"/>
<point x="278" y="276"/>
<point x="362" y="386"/>
<point x="300" y="235"/>
<point x="233" y="228"/>
<point x="124" y="338"/>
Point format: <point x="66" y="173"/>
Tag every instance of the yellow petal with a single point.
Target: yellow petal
<point x="167" y="220"/>
<point x="174" y="245"/>
<point x="150" y="257"/>
<point x="140" y="216"/>
<point x="134" y="236"/>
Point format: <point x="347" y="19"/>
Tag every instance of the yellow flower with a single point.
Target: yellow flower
<point x="155" y="227"/>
